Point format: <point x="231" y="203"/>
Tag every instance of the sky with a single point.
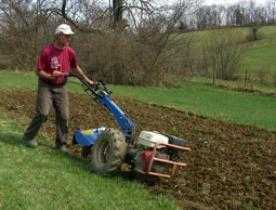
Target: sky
<point x="219" y="2"/>
<point x="228" y="2"/>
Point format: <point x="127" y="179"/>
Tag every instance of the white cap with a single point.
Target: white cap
<point x="64" y="29"/>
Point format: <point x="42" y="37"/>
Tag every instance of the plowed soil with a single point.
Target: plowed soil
<point x="230" y="166"/>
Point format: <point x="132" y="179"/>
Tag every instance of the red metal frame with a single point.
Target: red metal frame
<point x="175" y="166"/>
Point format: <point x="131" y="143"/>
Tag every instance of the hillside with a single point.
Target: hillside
<point x="230" y="166"/>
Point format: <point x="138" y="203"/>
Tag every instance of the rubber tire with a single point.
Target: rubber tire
<point x="86" y="152"/>
<point x="108" y="151"/>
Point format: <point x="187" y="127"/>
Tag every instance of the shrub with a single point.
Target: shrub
<point x="254" y="33"/>
<point x="223" y="53"/>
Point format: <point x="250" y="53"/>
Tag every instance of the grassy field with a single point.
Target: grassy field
<point x="260" y="55"/>
<point x="44" y="179"/>
<point x="202" y="99"/>
<point x="264" y="89"/>
<point x="257" y="56"/>
<point x="226" y="105"/>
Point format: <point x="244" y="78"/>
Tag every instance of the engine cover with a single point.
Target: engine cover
<point x="150" y="139"/>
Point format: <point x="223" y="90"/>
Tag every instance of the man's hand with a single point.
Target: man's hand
<point x="58" y="74"/>
<point x="92" y="83"/>
<point x="42" y="74"/>
<point x="81" y="76"/>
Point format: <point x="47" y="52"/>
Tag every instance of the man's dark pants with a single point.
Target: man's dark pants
<point x="50" y="96"/>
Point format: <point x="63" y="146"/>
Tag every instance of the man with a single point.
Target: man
<point x="56" y="61"/>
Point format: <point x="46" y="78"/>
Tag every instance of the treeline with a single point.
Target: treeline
<point x="133" y="42"/>
<point x="244" y="13"/>
<point x="126" y="42"/>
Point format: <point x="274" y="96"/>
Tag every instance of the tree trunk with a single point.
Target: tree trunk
<point x="117" y="12"/>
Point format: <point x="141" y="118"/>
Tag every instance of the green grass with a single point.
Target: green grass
<point x="257" y="87"/>
<point x="45" y="179"/>
<point x="226" y="105"/>
<point x="17" y="80"/>
<point x="28" y="80"/>
<point x="260" y="55"/>
<point x="202" y="99"/>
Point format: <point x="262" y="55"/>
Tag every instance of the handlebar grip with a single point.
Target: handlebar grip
<point x="102" y="83"/>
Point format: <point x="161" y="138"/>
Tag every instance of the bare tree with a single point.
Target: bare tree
<point x="224" y="54"/>
<point x="239" y="16"/>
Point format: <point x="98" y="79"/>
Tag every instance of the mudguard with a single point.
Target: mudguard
<point x="88" y="137"/>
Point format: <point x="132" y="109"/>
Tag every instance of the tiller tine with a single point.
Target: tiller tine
<point x="151" y="159"/>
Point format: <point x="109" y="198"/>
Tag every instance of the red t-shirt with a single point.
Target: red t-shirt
<point x="52" y="58"/>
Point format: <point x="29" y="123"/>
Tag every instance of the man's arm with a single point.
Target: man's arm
<point x="44" y="75"/>
<point x="78" y="72"/>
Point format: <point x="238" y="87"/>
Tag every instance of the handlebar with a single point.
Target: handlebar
<point x="96" y="89"/>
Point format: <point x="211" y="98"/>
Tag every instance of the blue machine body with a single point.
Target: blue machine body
<point x="88" y="138"/>
<point x="125" y="124"/>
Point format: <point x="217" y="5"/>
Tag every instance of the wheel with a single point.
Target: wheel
<point x="108" y="151"/>
<point x="86" y="152"/>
